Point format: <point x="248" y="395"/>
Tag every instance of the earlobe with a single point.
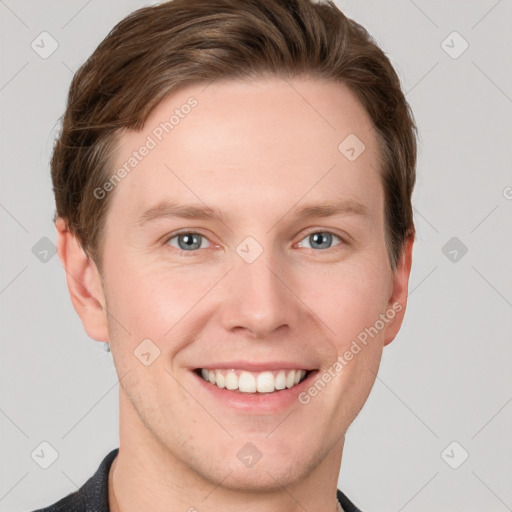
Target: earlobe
<point x="84" y="283"/>
<point x="398" y="299"/>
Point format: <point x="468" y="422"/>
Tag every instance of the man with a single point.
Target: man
<point x="233" y="183"/>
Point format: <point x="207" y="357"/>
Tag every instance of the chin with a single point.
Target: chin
<point x="263" y="479"/>
<point x="269" y="474"/>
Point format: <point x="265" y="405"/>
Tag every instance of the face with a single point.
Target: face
<point x="249" y="238"/>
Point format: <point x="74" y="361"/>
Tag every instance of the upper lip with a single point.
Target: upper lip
<point x="252" y="366"/>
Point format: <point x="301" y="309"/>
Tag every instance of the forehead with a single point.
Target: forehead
<point x="263" y="144"/>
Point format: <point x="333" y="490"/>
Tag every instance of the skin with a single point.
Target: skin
<point x="258" y="152"/>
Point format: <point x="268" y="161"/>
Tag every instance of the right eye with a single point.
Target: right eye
<point x="187" y="241"/>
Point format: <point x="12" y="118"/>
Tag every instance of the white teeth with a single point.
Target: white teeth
<point x="252" y="382"/>
<point x="220" y="380"/>
<point x="246" y="383"/>
<point x="231" y="381"/>
<point x="265" y="382"/>
<point x="280" y="381"/>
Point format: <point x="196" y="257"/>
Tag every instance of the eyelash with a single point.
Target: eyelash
<point x="343" y="241"/>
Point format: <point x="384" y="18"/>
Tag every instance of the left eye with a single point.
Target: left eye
<point x="188" y="241"/>
<point x="320" y="239"/>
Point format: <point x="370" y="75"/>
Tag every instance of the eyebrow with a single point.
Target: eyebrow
<point x="173" y="209"/>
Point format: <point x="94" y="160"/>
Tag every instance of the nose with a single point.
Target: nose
<point x="259" y="299"/>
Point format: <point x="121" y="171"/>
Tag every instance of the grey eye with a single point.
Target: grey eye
<point x="320" y="239"/>
<point x="188" y="241"/>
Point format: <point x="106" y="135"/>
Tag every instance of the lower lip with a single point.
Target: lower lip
<point x="273" y="402"/>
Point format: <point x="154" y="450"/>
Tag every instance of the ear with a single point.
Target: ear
<point x="84" y="283"/>
<point x="398" y="299"/>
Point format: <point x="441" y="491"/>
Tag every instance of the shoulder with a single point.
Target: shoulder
<point x="93" y="495"/>
<point x="73" y="502"/>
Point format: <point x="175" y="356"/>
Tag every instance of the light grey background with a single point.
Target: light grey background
<point x="445" y="378"/>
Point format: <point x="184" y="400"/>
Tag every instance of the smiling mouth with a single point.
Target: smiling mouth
<point x="242" y="381"/>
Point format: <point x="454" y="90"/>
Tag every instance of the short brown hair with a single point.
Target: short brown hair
<point x="157" y="49"/>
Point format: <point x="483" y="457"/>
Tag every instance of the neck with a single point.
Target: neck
<point x="114" y="504"/>
<point x="147" y="475"/>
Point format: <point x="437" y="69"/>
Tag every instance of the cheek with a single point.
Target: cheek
<point x="151" y="299"/>
<point x="348" y="298"/>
